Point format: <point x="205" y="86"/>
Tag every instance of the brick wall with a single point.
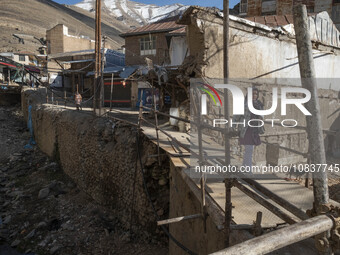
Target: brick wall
<point x="254" y="7"/>
<point x="133" y="56"/>
<point x="55" y="42"/>
<point x="284" y="7"/>
<point x="323" y="5"/>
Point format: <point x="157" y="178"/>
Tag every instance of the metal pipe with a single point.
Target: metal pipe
<point x="227" y="181"/>
<point x="281" y="238"/>
<point x="156" y="128"/>
<point x="111" y="93"/>
<point x="277" y="211"/>
<point x="178" y="219"/>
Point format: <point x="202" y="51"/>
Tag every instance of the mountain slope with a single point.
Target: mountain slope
<point x="34" y="17"/>
<point x="127" y="10"/>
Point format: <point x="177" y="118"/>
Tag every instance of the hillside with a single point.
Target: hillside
<point x="130" y="11"/>
<point x="34" y="17"/>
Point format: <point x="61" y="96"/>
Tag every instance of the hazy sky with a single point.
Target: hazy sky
<point x="216" y="3"/>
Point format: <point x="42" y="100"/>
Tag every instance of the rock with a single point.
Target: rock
<point x="67" y="226"/>
<point x="43" y="193"/>
<point x="7" y="219"/>
<point x="160" y="212"/>
<point x="51" y="166"/>
<point x="30" y="234"/>
<point x="42" y="224"/>
<point x="54" y="249"/>
<point x="162" y="182"/>
<point x="15" y="243"/>
<point x="15" y="193"/>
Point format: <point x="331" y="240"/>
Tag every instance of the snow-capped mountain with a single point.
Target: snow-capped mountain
<point x="142" y="13"/>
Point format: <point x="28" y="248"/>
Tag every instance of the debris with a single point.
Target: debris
<point x="43" y="193"/>
<point x="30" y="234"/>
<point x="54" y="249"/>
<point x="15" y="243"/>
<point x="7" y="219"/>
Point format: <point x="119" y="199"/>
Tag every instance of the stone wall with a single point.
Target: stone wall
<point x="100" y="155"/>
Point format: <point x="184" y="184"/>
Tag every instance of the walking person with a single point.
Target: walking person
<point x="249" y="136"/>
<point x="78" y="99"/>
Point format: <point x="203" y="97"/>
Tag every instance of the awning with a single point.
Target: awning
<point x="32" y="69"/>
<point x="123" y="71"/>
<point x="78" y="61"/>
<point x="6" y="64"/>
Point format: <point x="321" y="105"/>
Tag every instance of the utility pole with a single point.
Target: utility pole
<point x="228" y="180"/>
<point x="103" y="59"/>
<point x="314" y="124"/>
<point x="98" y="61"/>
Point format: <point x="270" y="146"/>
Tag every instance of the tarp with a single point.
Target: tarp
<point x="178" y="49"/>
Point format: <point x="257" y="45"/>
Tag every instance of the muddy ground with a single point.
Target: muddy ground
<point x="43" y="212"/>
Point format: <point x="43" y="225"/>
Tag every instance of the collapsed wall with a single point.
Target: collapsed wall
<point x="100" y="155"/>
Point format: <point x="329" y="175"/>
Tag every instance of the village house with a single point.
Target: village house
<point x="24" y="58"/>
<point x="76" y="68"/>
<point x="164" y="42"/>
<point x="249" y="8"/>
<point x="59" y="40"/>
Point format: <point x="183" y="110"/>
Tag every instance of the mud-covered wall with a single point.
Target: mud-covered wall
<point x="100" y="155"/>
<point x="253" y="52"/>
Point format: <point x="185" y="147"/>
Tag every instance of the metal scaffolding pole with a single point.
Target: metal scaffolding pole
<point x="98" y="60"/>
<point x="228" y="181"/>
<point x="281" y="238"/>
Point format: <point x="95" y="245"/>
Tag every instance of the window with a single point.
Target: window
<point x="243" y="6"/>
<point x="148" y="45"/>
<point x="336" y="1"/>
<point x="310" y="9"/>
<point x="22" y="58"/>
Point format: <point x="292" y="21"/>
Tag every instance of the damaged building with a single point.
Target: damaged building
<point x="249" y="8"/>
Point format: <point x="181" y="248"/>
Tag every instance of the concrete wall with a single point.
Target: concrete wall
<point x="100" y="155"/>
<point x="76" y="44"/>
<point x="59" y="41"/>
<point x="133" y="56"/>
<point x="185" y="201"/>
<point x="252" y="54"/>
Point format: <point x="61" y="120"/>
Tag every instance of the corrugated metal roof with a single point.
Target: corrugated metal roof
<point x="160" y="26"/>
<point x="181" y="30"/>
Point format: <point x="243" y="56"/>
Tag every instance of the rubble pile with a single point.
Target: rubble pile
<point x="43" y="212"/>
